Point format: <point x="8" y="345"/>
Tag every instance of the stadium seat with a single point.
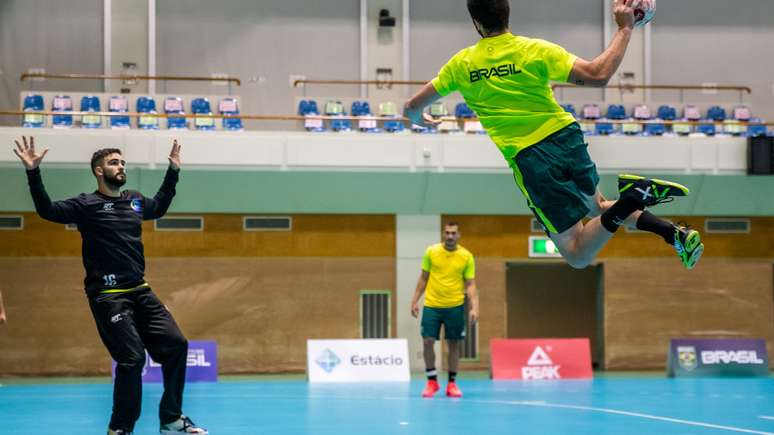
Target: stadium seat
<point x="448" y="123"/>
<point x="64" y="104"/>
<point x="90" y="103"/>
<point x="336" y="108"/>
<point x="361" y="108"/>
<point x="691" y="113"/>
<point x="119" y="104"/>
<point x="33" y="103"/>
<point x="737" y="125"/>
<point x="667" y="113"/>
<point x="640" y="112"/>
<point x="308" y="109"/>
<point x="147" y="105"/>
<point x="230" y="106"/>
<point x="615" y="112"/>
<point x="469" y="122"/>
<point x="756" y="128"/>
<point x="389" y="110"/>
<point x="174" y="106"/>
<point x="569" y="108"/>
<point x="438" y="110"/>
<point x="201" y="106"/>
<point x="589" y="115"/>
<point x="716" y="113"/>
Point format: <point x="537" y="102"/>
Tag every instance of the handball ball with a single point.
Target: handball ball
<point x="644" y="13"/>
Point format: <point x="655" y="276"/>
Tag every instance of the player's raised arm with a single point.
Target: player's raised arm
<point x="62" y="212"/>
<point x="157" y="206"/>
<point x="599" y="71"/>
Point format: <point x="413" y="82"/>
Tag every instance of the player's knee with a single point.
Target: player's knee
<point x="132" y="360"/>
<point x="578" y="262"/>
<point x="429" y="341"/>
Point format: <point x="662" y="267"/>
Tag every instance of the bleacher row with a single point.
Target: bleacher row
<point x="640" y="122"/>
<point x="146" y="106"/>
<point x="666" y="122"/>
<point x="716" y="121"/>
<point x="367" y="124"/>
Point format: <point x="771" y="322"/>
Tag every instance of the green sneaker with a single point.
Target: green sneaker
<point x="649" y="191"/>
<point x="688" y="246"/>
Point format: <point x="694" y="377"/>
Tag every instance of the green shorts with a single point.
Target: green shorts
<point x="452" y="319"/>
<point x="558" y="178"/>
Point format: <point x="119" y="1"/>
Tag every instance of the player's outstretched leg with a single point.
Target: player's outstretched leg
<point x="581" y="243"/>
<point x="686" y="241"/>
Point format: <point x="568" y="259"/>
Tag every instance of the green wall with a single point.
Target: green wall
<point x="245" y="191"/>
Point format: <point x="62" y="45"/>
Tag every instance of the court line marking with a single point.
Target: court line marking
<point x="766" y="417"/>
<point x="628" y="414"/>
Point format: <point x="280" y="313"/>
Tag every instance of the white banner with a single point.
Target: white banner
<point x="357" y="360"/>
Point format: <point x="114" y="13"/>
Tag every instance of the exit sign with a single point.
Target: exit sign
<point x="542" y="247"/>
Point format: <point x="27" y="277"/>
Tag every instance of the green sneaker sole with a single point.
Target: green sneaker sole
<point x="694" y="257"/>
<point x="661" y="183"/>
<point x="692" y="240"/>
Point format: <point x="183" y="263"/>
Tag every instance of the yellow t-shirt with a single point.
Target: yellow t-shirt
<point x="506" y="81"/>
<point x="448" y="272"/>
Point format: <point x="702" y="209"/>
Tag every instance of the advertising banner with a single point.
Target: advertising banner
<point x="549" y="358"/>
<point x="358" y="360"/>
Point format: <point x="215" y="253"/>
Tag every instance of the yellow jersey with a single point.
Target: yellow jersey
<point x="448" y="272"/>
<point x="506" y="80"/>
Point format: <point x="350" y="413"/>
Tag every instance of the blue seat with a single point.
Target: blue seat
<point x="756" y="128"/>
<point x="362" y="108"/>
<point x="33" y="103"/>
<point x="119" y="104"/>
<point x="62" y="104"/>
<point x="615" y="112"/>
<point x="90" y="103"/>
<point x="308" y="108"/>
<point x="569" y="108"/>
<point x="463" y="111"/>
<point x="717" y="114"/>
<point x="174" y="106"/>
<point x="147" y="105"/>
<point x="667" y="113"/>
<point x="707" y="129"/>
<point x="201" y="106"/>
<point x="230" y="106"/>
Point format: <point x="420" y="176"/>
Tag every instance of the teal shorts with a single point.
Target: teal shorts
<point x="557" y="177"/>
<point x="452" y="319"/>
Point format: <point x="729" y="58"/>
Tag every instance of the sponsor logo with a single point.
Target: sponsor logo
<point x="686" y="357"/>
<point x="540" y="366"/>
<point x="327" y="360"/>
<point x="108" y="206"/>
<point x="117" y="318"/>
<point x="136" y="205"/>
<point x="710" y="357"/>
<point x="376" y="360"/>
<point x="496" y="71"/>
<point x="196" y="358"/>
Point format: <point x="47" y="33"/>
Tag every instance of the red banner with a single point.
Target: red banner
<point x="549" y="358"/>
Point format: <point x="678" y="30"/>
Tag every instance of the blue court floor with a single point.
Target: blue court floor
<point x="609" y="405"/>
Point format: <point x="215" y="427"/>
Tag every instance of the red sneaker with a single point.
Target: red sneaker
<point x="431" y="388"/>
<point x="452" y="390"/>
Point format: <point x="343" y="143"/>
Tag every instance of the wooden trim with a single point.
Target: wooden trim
<point x="26" y="76"/>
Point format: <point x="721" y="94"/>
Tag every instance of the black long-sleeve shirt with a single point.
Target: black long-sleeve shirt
<point x="110" y="227"/>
